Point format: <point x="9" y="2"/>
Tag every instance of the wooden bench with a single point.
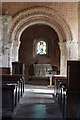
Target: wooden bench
<point x="8" y="100"/>
<point x="59" y="79"/>
<point x="4" y="70"/>
<point x="7" y="79"/>
<point x="73" y="76"/>
<point x="8" y="97"/>
<point x="12" y="81"/>
<point x="12" y="89"/>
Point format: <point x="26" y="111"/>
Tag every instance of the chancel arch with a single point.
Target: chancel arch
<point x="45" y="16"/>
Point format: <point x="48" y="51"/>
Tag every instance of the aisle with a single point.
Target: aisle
<point x="37" y="94"/>
<point x="38" y="102"/>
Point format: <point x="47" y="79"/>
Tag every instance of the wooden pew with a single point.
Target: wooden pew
<point x="11" y="91"/>
<point x="12" y="79"/>
<point x="18" y="68"/>
<point x="73" y="76"/>
<point x="59" y="79"/>
<point x="8" y="97"/>
<point x="60" y="84"/>
<point x="4" y="70"/>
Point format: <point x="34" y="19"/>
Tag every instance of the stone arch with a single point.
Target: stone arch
<point x="40" y="15"/>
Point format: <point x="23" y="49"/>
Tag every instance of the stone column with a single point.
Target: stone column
<point x="79" y="30"/>
<point x="63" y="58"/>
<point x="1" y="44"/>
<point x="5" y="57"/>
<point x="68" y="45"/>
<point x="10" y="54"/>
<point x="74" y="50"/>
<point x="1" y="40"/>
<point x="6" y="46"/>
<point x="15" y="51"/>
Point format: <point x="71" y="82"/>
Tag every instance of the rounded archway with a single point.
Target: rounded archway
<point x="45" y="16"/>
<point x="33" y="36"/>
<point x="28" y="47"/>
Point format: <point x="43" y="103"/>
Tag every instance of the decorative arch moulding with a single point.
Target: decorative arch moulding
<point x="31" y="22"/>
<point x="43" y="12"/>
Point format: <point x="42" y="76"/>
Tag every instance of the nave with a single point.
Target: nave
<point x="40" y="45"/>
<point x="41" y="102"/>
<point x="38" y="102"/>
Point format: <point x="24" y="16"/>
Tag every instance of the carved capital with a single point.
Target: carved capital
<point x="62" y="45"/>
<point x="6" y="19"/>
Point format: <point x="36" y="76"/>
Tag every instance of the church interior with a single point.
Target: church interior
<point x="39" y="60"/>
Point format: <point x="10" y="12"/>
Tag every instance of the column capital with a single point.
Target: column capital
<point x="68" y="44"/>
<point x="6" y="19"/>
<point x="62" y="45"/>
<point x="74" y="42"/>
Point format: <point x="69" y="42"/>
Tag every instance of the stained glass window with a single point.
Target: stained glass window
<point x="41" y="47"/>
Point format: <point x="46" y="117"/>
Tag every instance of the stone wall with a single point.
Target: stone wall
<point x="5" y="40"/>
<point x="67" y="11"/>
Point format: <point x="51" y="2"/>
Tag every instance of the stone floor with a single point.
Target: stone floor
<point x="38" y="102"/>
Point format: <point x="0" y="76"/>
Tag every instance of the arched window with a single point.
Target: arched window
<point x="41" y="47"/>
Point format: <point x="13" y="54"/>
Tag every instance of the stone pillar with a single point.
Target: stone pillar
<point x="10" y="54"/>
<point x="68" y="45"/>
<point x="1" y="44"/>
<point x="63" y="58"/>
<point x="1" y="40"/>
<point x="79" y="30"/>
<point x="15" y="51"/>
<point x="6" y="45"/>
<point x="15" y="54"/>
<point x="5" y="57"/>
<point x="74" y="50"/>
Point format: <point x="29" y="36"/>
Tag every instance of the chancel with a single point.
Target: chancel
<point x="40" y="60"/>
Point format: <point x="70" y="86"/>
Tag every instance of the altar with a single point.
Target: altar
<point x="41" y="74"/>
<point x="41" y="70"/>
